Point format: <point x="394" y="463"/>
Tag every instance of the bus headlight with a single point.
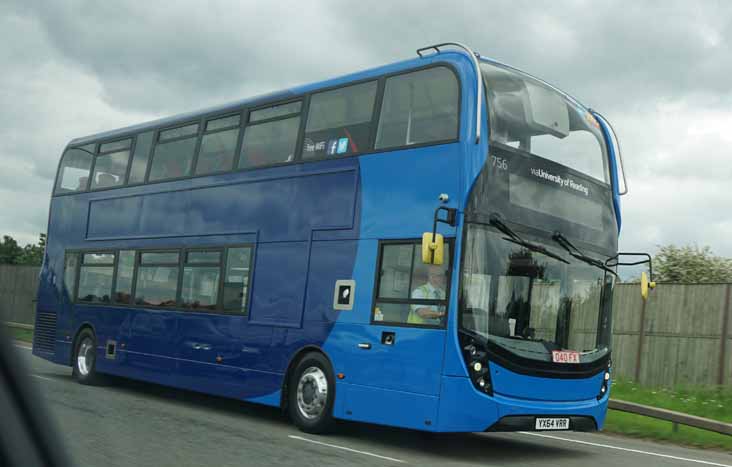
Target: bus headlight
<point x="477" y="362"/>
<point x="605" y="384"/>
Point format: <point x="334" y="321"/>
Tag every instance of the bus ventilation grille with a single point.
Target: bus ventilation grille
<point x="44" y="334"/>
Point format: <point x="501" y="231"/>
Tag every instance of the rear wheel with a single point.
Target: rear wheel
<point x="311" y="394"/>
<point x="85" y="358"/>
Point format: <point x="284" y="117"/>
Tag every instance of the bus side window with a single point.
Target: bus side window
<point x="157" y="279"/>
<point x="408" y="291"/>
<point x="173" y="155"/>
<point x="73" y="174"/>
<point x="339" y="121"/>
<point x="236" y="279"/>
<point x="218" y="145"/>
<point x="419" y="107"/>
<point x="125" y="270"/>
<point x="70" y="263"/>
<point x="95" y="277"/>
<point x="140" y="157"/>
<point x="110" y="169"/>
<point x="200" y="286"/>
<point x="270" y="136"/>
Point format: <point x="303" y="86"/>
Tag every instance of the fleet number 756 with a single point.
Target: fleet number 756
<point x="499" y="163"/>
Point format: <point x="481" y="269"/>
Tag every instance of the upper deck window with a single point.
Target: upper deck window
<point x="140" y="157"/>
<point x="272" y="141"/>
<point x="179" y="132"/>
<point x="419" y="107"/>
<point x="73" y="174"/>
<point x="173" y="155"/>
<point x="339" y="121"/>
<point x="275" y="111"/>
<point x="115" y="145"/>
<point x="218" y="145"/>
<point x="535" y="119"/>
<point x="110" y="169"/>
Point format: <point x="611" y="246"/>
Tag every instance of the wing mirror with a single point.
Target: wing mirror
<point x="433" y="244"/>
<point x="433" y="248"/>
<point x="647" y="283"/>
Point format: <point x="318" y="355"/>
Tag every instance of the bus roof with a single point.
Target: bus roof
<point x="266" y="98"/>
<point x="293" y="92"/>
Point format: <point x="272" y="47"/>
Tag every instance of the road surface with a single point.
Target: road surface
<point x="128" y="423"/>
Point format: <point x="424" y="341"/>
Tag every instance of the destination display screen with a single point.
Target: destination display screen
<point x="527" y="192"/>
<point x="527" y="189"/>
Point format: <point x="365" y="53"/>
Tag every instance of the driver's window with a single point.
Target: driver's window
<point x="408" y="291"/>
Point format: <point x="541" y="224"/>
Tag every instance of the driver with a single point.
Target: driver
<point x="433" y="289"/>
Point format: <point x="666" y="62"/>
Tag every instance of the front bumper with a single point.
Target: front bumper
<point x="528" y="423"/>
<point x="464" y="409"/>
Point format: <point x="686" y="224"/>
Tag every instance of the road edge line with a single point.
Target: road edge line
<point x="637" y="451"/>
<point x="335" y="446"/>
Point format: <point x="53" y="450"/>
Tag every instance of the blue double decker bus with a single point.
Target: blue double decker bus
<point x="422" y="245"/>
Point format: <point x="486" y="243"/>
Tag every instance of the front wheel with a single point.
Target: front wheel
<point x="85" y="358"/>
<point x="311" y="394"/>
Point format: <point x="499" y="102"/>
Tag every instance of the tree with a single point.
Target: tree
<point x="690" y="264"/>
<point x="12" y="253"/>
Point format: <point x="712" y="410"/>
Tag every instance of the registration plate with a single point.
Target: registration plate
<point x="552" y="424"/>
<point x="565" y="356"/>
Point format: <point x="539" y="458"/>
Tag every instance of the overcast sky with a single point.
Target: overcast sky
<point x="661" y="72"/>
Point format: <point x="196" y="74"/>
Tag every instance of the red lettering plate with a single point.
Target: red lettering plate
<point x="565" y="356"/>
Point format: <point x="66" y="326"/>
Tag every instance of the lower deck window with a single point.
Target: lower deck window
<point x="95" y="277"/>
<point x="157" y="279"/>
<point x="125" y="271"/>
<point x="236" y="280"/>
<point x="197" y="279"/>
<point x="156" y="285"/>
<point x="408" y="291"/>
<point x="201" y="280"/>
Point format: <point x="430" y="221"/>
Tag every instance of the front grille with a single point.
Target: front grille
<point x="44" y="334"/>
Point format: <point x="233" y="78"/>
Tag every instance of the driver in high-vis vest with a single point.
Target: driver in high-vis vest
<point x="433" y="289"/>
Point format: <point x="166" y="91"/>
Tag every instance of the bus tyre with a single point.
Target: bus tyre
<point x="311" y="394"/>
<point x="85" y="358"/>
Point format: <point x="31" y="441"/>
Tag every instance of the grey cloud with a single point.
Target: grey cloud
<point x="654" y="68"/>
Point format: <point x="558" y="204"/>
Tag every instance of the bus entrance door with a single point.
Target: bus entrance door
<point x="394" y="375"/>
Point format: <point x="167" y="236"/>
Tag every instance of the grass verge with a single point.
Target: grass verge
<point x="25" y="335"/>
<point x="708" y="402"/>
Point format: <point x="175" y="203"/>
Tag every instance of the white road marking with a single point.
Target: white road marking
<point x="43" y="377"/>
<point x="24" y="347"/>
<point x="300" y="438"/>
<point x="638" y="451"/>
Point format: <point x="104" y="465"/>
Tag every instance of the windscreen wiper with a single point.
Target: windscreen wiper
<point x="576" y="253"/>
<point x="513" y="237"/>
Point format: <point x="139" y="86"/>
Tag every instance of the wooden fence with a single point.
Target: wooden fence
<point x="681" y="336"/>
<point x="18" y="286"/>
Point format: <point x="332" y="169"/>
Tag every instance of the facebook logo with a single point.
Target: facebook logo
<point x="332" y="147"/>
